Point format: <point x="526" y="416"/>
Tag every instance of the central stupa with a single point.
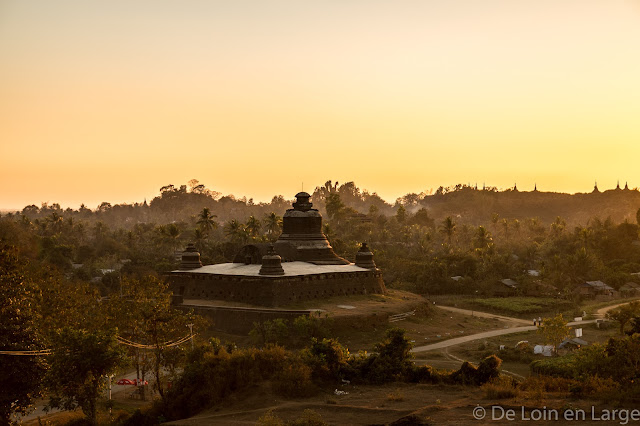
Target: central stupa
<point x="302" y="238"/>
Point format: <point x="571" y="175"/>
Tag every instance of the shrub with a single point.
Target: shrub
<point x="391" y="362"/>
<point x="270" y="419"/>
<point x="396" y="396"/>
<point x="597" y="387"/>
<point x="488" y="369"/>
<point x="308" y="418"/>
<point x="274" y="331"/>
<point x="327" y="359"/>
<point x="468" y="374"/>
<point x="294" y="381"/>
<point x="500" y="388"/>
<point x="306" y="327"/>
<point x="422" y="374"/>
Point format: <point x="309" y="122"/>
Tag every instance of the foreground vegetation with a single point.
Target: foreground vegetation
<point x="212" y="374"/>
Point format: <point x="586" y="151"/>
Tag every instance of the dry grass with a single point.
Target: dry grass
<point x="395" y="396"/>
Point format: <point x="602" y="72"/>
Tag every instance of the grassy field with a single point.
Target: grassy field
<point x="519" y="307"/>
<point x="527" y="307"/>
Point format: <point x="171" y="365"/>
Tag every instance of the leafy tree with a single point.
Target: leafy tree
<point x="80" y="362"/>
<point x="558" y="226"/>
<point x="146" y="316"/>
<point x="20" y="375"/>
<point x="554" y="330"/>
<point x="624" y="358"/>
<point x="623" y="314"/>
<point x="334" y="205"/>
<point x="401" y="214"/>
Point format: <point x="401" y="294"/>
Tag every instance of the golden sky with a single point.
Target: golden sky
<point x="109" y="101"/>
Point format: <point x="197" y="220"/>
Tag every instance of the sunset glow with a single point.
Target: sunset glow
<point x="109" y="101"/>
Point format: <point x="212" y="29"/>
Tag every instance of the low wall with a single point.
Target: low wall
<point x="275" y="291"/>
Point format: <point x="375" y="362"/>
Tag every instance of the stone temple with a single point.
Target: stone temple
<point x="301" y="265"/>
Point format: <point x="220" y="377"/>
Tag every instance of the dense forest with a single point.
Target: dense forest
<point x="420" y="242"/>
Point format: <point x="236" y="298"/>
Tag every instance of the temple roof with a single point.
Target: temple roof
<point x="291" y="269"/>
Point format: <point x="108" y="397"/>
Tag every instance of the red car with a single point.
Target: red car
<point x="126" y="382"/>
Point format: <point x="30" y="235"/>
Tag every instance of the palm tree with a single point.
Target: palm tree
<point x="516" y="226"/>
<point x="482" y="239"/>
<point x="448" y="228"/>
<point x="173" y="232"/>
<point x="236" y="231"/>
<point x="205" y="221"/>
<point x="253" y="226"/>
<point x="99" y="229"/>
<point x="199" y="236"/>
<point x="557" y="227"/>
<point x="56" y="222"/>
<point x="505" y="225"/>
<point x="273" y="223"/>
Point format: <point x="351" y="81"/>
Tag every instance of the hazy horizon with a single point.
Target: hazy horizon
<point x="110" y="101"/>
<point x="291" y="196"/>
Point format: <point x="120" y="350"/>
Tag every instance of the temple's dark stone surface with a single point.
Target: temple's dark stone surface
<point x="271" y="263"/>
<point x="302" y="231"/>
<point x="364" y="258"/>
<point x="190" y="258"/>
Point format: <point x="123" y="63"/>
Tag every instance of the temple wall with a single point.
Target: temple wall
<point x="275" y="291"/>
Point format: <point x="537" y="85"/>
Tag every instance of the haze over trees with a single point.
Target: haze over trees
<point x="420" y="241"/>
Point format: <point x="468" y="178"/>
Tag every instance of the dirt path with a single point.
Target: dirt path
<point x="600" y="313"/>
<point x="484" y="314"/>
<point x="483" y="335"/>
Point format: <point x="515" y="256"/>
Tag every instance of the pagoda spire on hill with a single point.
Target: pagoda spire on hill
<point x="595" y="189"/>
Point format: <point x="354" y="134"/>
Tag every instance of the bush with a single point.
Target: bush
<point x="308" y="418"/>
<point x="598" y="387"/>
<point x="306" y="327"/>
<point x="391" y="362"/>
<point x="294" y="381"/>
<point x="327" y="359"/>
<point x="275" y="331"/>
<point x="468" y="374"/>
<point x="500" y="388"/>
<point x="215" y="376"/>
<point x="488" y="369"/>
<point x="396" y="396"/>
<point x="422" y="374"/>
